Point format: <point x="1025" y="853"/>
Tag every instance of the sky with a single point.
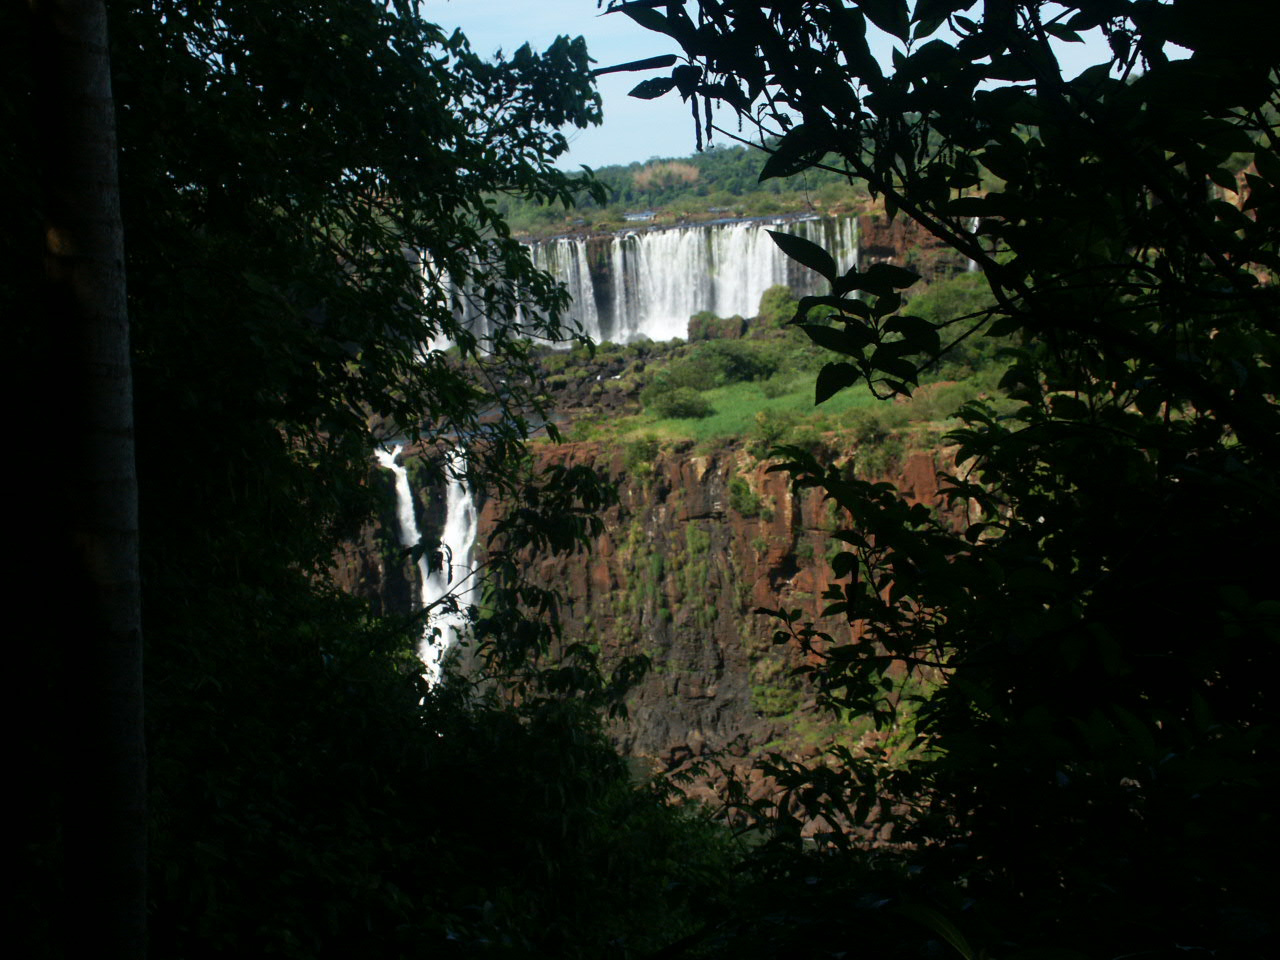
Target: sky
<point x="633" y="129"/>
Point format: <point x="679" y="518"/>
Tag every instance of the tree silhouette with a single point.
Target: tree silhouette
<point x="316" y="265"/>
<point x="83" y="309"/>
<point x="1101" y="638"/>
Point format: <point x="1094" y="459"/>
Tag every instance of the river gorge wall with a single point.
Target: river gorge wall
<point x="697" y="542"/>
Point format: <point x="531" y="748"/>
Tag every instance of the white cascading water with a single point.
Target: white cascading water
<point x="456" y="576"/>
<point x="457" y="543"/>
<point x="566" y="260"/>
<point x="649" y="283"/>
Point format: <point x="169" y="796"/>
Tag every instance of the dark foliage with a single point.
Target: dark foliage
<point x="306" y="191"/>
<point x="1092" y="774"/>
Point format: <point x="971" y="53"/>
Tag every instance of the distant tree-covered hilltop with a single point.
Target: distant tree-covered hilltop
<point x="721" y="181"/>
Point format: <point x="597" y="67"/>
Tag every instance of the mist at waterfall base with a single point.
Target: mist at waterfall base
<point x="445" y="618"/>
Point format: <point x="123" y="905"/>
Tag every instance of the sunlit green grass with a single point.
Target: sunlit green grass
<point x="737" y="405"/>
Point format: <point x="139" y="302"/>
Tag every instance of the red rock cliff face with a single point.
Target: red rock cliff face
<point x="696" y="544"/>
<point x="684" y="562"/>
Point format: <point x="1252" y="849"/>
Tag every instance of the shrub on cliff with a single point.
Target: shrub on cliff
<point x="705" y="325"/>
<point x="742" y="498"/>
<point x="777" y="307"/>
<point x="639" y="455"/>
<point x="676" y="403"/>
<point x="771" y="428"/>
<point x="735" y="361"/>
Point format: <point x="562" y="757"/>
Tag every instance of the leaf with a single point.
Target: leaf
<point x="889" y="15"/>
<point x="1223" y="178"/>
<point x="648" y="18"/>
<point x="653" y="88"/>
<point x="1063" y="33"/>
<point x="1066" y="407"/>
<point x="806" y="252"/>
<point x="848" y="341"/>
<point x="969" y="206"/>
<point x="649" y="63"/>
<point x="880" y="279"/>
<point x="918" y="333"/>
<point x="833" y="378"/>
<point x="898" y="367"/>
<point x="1002" y="326"/>
<point x="728" y="92"/>
<point x="686" y="78"/>
<point x="798" y="150"/>
<point x="855" y="307"/>
<point x="1268" y="165"/>
<point x="939" y="925"/>
<point x="843" y="564"/>
<point x="927" y="28"/>
<point x="886" y="304"/>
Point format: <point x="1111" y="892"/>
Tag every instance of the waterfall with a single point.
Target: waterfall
<point x="457" y="568"/>
<point x="566" y="260"/>
<point x="648" y="283"/>
<point x="457" y="542"/>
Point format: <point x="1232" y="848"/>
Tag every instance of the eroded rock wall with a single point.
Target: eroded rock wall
<point x="697" y="543"/>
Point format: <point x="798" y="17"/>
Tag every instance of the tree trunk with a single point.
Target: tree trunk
<point x="104" y="790"/>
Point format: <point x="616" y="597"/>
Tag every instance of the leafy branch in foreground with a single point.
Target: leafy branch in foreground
<point x="1101" y="627"/>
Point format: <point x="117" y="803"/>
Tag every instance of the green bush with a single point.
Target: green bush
<point x="734" y="361"/>
<point x="939" y="401"/>
<point x="705" y="325"/>
<point x="775" y="387"/>
<point x="872" y="424"/>
<point x="679" y="403"/>
<point x="639" y="454"/>
<point x="742" y="498"/>
<point x="772" y="427"/>
<point x="777" y="306"/>
<point x="718" y="363"/>
<point x="807" y="436"/>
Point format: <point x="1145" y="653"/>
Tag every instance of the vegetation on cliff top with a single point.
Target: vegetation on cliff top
<point x="717" y="183"/>
<point x="759" y="388"/>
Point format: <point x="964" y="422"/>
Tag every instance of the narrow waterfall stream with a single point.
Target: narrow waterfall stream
<point x="457" y="569"/>
<point x="455" y="577"/>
